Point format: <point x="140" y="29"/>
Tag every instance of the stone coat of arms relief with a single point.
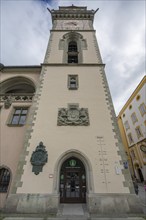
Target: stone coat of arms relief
<point x="73" y="115"/>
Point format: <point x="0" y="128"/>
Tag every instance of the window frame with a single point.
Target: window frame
<point x="142" y="105"/>
<point x="126" y="125"/>
<point x="132" y="154"/>
<point x="72" y="54"/>
<point x="72" y="46"/>
<point x="130" y="138"/>
<point x="70" y="86"/>
<point x="134" y="118"/>
<point x="138" y="132"/>
<point x="12" y="114"/>
<point x="2" y="184"/>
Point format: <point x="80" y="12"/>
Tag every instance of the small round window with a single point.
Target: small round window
<point x="137" y="97"/>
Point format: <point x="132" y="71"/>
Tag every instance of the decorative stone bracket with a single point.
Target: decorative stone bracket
<point x="39" y="158"/>
<point x="73" y="115"/>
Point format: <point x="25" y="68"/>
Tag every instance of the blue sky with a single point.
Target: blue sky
<point x="120" y="31"/>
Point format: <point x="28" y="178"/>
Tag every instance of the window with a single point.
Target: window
<point x="73" y="81"/>
<point x="142" y="109"/>
<point x="72" y="46"/>
<point x="138" y="132"/>
<point x="132" y="154"/>
<point x="137" y="97"/>
<point x="4" y="179"/>
<point x="19" y="116"/>
<point x="134" y="118"/>
<point x="130" y="138"/>
<point x="126" y="124"/>
<point x="72" y="52"/>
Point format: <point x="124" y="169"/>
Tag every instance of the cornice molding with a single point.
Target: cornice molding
<point x="138" y="88"/>
<point x="73" y="64"/>
<point x="72" y="30"/>
<point x="21" y="68"/>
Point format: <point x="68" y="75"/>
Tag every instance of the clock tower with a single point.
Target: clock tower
<point x="72" y="150"/>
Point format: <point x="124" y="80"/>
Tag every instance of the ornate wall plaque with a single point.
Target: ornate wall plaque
<point x="73" y="115"/>
<point x="39" y="158"/>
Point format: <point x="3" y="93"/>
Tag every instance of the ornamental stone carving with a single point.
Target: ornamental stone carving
<point x="16" y="97"/>
<point x="73" y="116"/>
<point x="39" y="158"/>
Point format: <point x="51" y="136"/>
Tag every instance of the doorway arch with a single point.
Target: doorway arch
<point x="72" y="181"/>
<point x="73" y="153"/>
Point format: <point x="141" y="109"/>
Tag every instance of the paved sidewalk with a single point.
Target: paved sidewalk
<point x="142" y="197"/>
<point x="72" y="218"/>
<point x="70" y="212"/>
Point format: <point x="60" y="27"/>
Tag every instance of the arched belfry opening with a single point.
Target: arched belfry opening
<point x="72" y="45"/>
<point x="72" y="52"/>
<point x="72" y="185"/>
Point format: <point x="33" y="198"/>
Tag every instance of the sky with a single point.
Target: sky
<point x="120" y="30"/>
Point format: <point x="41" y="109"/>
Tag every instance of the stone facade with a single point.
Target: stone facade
<point x="79" y="124"/>
<point x="132" y="124"/>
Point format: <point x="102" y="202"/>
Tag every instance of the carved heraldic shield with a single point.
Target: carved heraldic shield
<point x="39" y="158"/>
<point x="73" y="116"/>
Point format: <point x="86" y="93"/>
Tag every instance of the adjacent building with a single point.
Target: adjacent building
<point x="60" y="141"/>
<point x="132" y="124"/>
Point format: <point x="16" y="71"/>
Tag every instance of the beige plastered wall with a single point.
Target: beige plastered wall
<point x="12" y="137"/>
<point x="61" y="139"/>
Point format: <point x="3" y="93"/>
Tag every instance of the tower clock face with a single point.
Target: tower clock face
<point x="72" y="24"/>
<point x="143" y="148"/>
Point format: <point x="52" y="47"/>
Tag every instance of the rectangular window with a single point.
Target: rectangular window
<point x="19" y="116"/>
<point x="126" y="124"/>
<point x="73" y="82"/>
<point x="130" y="138"/>
<point x="142" y="109"/>
<point x="133" y="154"/>
<point x="134" y="118"/>
<point x="138" y="132"/>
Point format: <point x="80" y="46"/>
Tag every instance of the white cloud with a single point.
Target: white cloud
<point x="120" y="30"/>
<point x="124" y="96"/>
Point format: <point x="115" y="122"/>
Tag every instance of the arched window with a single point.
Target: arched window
<point x="72" y="47"/>
<point x="4" y="179"/>
<point x="72" y="52"/>
<point x="17" y="85"/>
<point x="72" y="44"/>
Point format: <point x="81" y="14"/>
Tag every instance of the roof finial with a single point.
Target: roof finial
<point x="96" y="10"/>
<point x="49" y="10"/>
